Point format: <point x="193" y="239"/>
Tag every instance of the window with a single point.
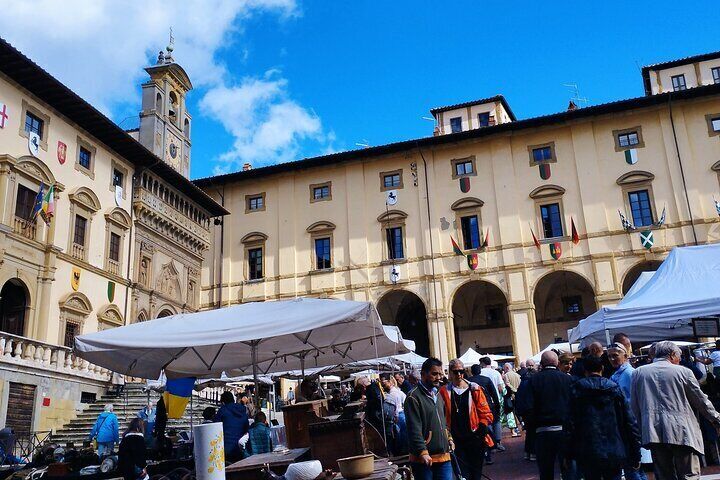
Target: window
<point x="255" y="202"/>
<point x="484" y="119"/>
<point x="551" y="220"/>
<point x="394" y="243"/>
<point x="715" y="124"/>
<point x="322" y="253"/>
<point x="678" y="82"/>
<point x="716" y="74"/>
<point x="115" y="247"/>
<point x="542" y="154"/>
<point x="391" y="181"/>
<point x="463" y="168"/>
<point x="640" y="207"/>
<point x="320" y="192"/>
<point x="118" y="178"/>
<point x="85" y="158"/>
<point x="34" y="124"/>
<point x="629" y="139"/>
<point x="456" y="124"/>
<point x="572" y="305"/>
<point x="25" y="203"/>
<point x="80" y="227"/>
<point x="470" y="232"/>
<point x="495" y="315"/>
<point x="71" y="331"/>
<point x="255" y="263"/>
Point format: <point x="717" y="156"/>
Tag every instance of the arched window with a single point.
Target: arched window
<point x="186" y="128"/>
<point x="14" y="302"/>
<point x="74" y="309"/>
<point x="83" y="206"/>
<point x="158" y="103"/>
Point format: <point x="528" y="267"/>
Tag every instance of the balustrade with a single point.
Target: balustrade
<point x="78" y="251"/>
<point x="25" y="227"/>
<point x="32" y="353"/>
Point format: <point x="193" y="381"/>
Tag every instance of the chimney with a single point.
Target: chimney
<point x="571" y="106"/>
<point x="247" y="166"/>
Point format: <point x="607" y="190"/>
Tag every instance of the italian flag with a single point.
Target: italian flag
<point x="47" y="211"/>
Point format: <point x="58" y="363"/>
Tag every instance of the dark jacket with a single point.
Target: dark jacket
<point x="235" y="425"/>
<point x="545" y="399"/>
<point x="491" y="393"/>
<point x="603" y="432"/>
<point x="406" y="386"/>
<point x="426" y="428"/>
<point x="132" y="456"/>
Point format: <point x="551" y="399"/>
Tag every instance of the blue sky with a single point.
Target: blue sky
<point x="278" y="80"/>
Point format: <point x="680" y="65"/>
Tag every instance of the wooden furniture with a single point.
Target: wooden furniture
<point x="249" y="468"/>
<point x="297" y="418"/>
<point x="337" y="439"/>
<point x="384" y="470"/>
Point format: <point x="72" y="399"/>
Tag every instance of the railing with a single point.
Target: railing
<point x="78" y="251"/>
<point x="25" y="227"/>
<point x="32" y="353"/>
<point x="113" y="267"/>
<point x="20" y="446"/>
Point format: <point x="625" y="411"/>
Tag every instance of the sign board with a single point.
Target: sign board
<point x="706" y="327"/>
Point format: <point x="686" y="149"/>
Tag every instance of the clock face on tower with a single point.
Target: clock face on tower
<point x="172" y="152"/>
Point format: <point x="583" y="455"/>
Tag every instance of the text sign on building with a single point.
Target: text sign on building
<point x="706" y="327"/>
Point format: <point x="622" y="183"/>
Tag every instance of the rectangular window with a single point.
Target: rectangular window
<point x="551" y="220"/>
<point x="322" y="253"/>
<point x="256" y="203"/>
<point x="678" y="82"/>
<point x="484" y="119"/>
<point x="456" y="124"/>
<point x="715" y="124"/>
<point x="118" y="178"/>
<point x="25" y="202"/>
<point x="716" y="74"/>
<point x="85" y="158"/>
<point x="640" y="208"/>
<point x="394" y="243"/>
<point x="463" y="168"/>
<point x="321" y="192"/>
<point x="114" y="247"/>
<point x="392" y="180"/>
<point x="628" y="139"/>
<point x="495" y="315"/>
<point x="470" y="232"/>
<point x="33" y="124"/>
<point x="542" y="154"/>
<point x="80" y="227"/>
<point x="255" y="263"/>
<point x="572" y="305"/>
<point x="71" y="331"/>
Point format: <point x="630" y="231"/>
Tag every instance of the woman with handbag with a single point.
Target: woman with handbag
<point x="106" y="431"/>
<point x="132" y="456"/>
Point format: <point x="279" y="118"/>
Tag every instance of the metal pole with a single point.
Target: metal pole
<point x="255" y="372"/>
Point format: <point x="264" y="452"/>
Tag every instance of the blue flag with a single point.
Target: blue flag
<point x="37" y="206"/>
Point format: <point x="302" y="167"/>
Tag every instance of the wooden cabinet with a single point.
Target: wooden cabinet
<point x="297" y="418"/>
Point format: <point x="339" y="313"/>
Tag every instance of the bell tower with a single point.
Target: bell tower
<point x="164" y="120"/>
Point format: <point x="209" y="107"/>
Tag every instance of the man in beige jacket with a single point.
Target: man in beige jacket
<point x="665" y="397"/>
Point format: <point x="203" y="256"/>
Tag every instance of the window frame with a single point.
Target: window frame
<point x="457" y="161"/>
<point x="253" y="241"/>
<point x="314" y="186"/>
<point x="81" y="143"/>
<point x="316" y="263"/>
<point x="321" y="230"/>
<point x="469" y="216"/>
<point x="33" y="196"/>
<point x="480" y="125"/>
<point x="115" y="165"/>
<point x="549" y="203"/>
<point x="386" y="230"/>
<point x="85" y="203"/>
<point x="117" y="222"/>
<point x="117" y="248"/>
<point x="650" y="206"/>
<point x="679" y="87"/>
<point x="250" y="197"/>
<point x="452" y="129"/>
<point x="635" y="181"/>
<point x="86" y="221"/>
<point x="249" y="250"/>
<point x="626" y="131"/>
<point x="27" y="107"/>
<point x="709" y="118"/>
<point x="553" y="153"/>
<point x="399" y="172"/>
<point x="715" y="73"/>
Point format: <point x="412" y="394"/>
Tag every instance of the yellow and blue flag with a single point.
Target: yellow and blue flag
<point x="177" y="395"/>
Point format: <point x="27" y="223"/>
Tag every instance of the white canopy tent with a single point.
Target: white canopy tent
<point x="471" y="357"/>
<point x="260" y="337"/>
<point x="563" y="347"/>
<point x="686" y="286"/>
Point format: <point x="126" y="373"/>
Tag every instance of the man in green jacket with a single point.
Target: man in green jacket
<point x="429" y="440"/>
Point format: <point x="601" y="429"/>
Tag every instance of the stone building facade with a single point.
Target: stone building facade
<point x="533" y="204"/>
<point x="125" y="243"/>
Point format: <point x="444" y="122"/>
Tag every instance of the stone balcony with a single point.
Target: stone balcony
<point x="25" y="352"/>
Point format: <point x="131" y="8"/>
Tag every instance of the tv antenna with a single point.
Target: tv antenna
<point x="364" y="144"/>
<point x="576" y="98"/>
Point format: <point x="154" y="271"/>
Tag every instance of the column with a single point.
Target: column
<point x="521" y="313"/>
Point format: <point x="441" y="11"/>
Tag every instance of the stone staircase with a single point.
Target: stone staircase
<point x="126" y="408"/>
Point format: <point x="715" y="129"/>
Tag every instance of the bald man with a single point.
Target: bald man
<point x="549" y="397"/>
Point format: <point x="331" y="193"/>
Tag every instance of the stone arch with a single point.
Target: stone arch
<point x="321" y="226"/>
<point x="166" y="310"/>
<point x="75" y="307"/>
<point x="142" y="316"/>
<point x="119" y="217"/>
<point x="633" y="273"/>
<point x="14" y="307"/>
<point x="480" y="317"/>
<point x="86" y="198"/>
<point x="467" y="203"/>
<point x="545" y="191"/>
<point x="636" y="176"/>
<point x="110" y="316"/>
<point x="392" y="216"/>
<point x="35" y="169"/>
<point x="253" y="237"/>
<point x="407" y="311"/>
<point x="562" y="298"/>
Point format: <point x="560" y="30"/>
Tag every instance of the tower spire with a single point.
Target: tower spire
<point x="171" y="46"/>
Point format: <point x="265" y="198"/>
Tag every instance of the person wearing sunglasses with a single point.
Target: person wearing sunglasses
<point x="467" y="415"/>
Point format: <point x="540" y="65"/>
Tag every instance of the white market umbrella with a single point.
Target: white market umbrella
<point x="260" y="337"/>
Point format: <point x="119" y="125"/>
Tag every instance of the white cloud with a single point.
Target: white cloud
<point x="99" y="48"/>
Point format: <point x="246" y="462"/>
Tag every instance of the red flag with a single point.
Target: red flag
<point x="535" y="240"/>
<point x="485" y="242"/>
<point x="575" y="236"/>
<point x="456" y="248"/>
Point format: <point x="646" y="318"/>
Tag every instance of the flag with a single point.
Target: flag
<point x="456" y="248"/>
<point x="646" y="239"/>
<point x="575" y="236"/>
<point x="48" y="205"/>
<point x="535" y="240"/>
<point x="556" y="250"/>
<point x="485" y="242"/>
<point x="177" y="395"/>
<point x="472" y="260"/>
<point x="631" y="156"/>
<point x="37" y="206"/>
<point x="661" y="222"/>
<point x="626" y="225"/>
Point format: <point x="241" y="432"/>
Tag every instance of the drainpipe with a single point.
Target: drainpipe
<point x="682" y="170"/>
<point x="130" y="243"/>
